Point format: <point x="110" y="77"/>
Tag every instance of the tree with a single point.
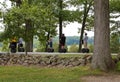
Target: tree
<point x="64" y="15"/>
<point x="85" y="18"/>
<point x="49" y="23"/>
<point x="114" y="43"/>
<point x="101" y="57"/>
<point x="87" y="6"/>
<point x="60" y="20"/>
<point x="115" y="25"/>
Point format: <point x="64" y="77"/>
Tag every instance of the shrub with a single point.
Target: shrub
<point x="73" y="48"/>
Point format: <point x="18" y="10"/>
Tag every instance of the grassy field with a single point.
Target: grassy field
<point x="42" y="74"/>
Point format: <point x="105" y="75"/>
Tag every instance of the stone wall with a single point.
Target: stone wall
<point x="40" y="60"/>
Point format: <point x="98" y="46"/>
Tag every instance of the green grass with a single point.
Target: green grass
<point x="39" y="74"/>
<point x="67" y="55"/>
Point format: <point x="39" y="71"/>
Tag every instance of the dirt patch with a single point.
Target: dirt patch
<point x="104" y="78"/>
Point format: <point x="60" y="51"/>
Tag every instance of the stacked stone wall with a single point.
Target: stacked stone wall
<point x="47" y="60"/>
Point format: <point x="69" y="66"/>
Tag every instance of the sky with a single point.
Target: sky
<point x="70" y="29"/>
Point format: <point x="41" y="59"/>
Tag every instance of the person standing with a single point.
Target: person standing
<point x="20" y="41"/>
<point x="13" y="45"/>
<point x="85" y="40"/>
<point x="50" y="42"/>
<point x="20" y="45"/>
<point x="62" y="41"/>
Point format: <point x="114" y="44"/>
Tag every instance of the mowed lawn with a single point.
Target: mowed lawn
<point x="44" y="74"/>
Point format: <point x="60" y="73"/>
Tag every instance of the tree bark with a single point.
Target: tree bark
<point x="48" y="35"/>
<point x="60" y="22"/>
<point x="29" y="46"/>
<point x="101" y="57"/>
<point x="29" y="36"/>
<point x="83" y="27"/>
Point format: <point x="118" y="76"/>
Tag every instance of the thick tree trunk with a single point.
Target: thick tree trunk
<point x="102" y="58"/>
<point x="29" y="36"/>
<point x="29" y="46"/>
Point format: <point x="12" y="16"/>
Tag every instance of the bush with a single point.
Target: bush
<point x="114" y="43"/>
<point x="73" y="48"/>
<point x="55" y="46"/>
<point x="91" y="48"/>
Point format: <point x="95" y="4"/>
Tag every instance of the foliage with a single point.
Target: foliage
<point x="85" y="9"/>
<point x="40" y="48"/>
<point x="115" y="32"/>
<point x="118" y="66"/>
<point x="56" y="46"/>
<point x="91" y="48"/>
<point x="115" y="25"/>
<point x="73" y="48"/>
<point x="5" y="46"/>
<point x="39" y="16"/>
<point x="114" y="6"/>
<point x="115" y="43"/>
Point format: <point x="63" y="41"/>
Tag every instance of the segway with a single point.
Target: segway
<point x="63" y="50"/>
<point x="20" y="48"/>
<point x="13" y="47"/>
<point x="49" y="47"/>
<point x="85" y="50"/>
<point x="50" y="50"/>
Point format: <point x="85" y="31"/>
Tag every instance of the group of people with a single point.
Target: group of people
<point x="13" y="45"/>
<point x="63" y="40"/>
<point x="14" y="42"/>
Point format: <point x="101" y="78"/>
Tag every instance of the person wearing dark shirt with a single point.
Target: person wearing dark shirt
<point x="13" y="45"/>
<point x="62" y="41"/>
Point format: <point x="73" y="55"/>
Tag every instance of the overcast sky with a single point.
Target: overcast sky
<point x="69" y="30"/>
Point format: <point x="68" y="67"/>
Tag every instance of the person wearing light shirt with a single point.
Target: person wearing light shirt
<point x="85" y="40"/>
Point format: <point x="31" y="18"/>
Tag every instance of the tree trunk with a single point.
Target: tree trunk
<point x="101" y="57"/>
<point x="29" y="36"/>
<point x="60" y="22"/>
<point x="48" y="35"/>
<point x="82" y="29"/>
<point x="29" y="46"/>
